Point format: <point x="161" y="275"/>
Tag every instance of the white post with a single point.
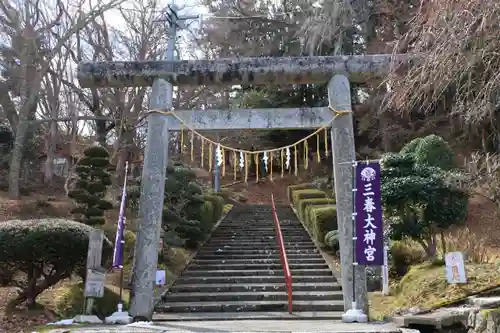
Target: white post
<point x="385" y="272"/>
<point x="94" y="261"/>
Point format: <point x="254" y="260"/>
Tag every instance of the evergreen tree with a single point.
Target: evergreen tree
<point x="90" y="189"/>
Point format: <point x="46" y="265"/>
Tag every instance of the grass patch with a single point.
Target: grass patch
<point x="425" y="286"/>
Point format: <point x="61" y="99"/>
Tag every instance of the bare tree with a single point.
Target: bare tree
<point x="30" y="56"/>
<point x="458" y="76"/>
<point x="484" y="176"/>
<point x="141" y="38"/>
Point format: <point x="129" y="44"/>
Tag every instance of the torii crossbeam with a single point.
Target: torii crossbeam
<point x="251" y="71"/>
<point x="254" y="71"/>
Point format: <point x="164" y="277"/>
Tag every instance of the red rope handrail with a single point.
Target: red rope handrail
<point x="283" y="257"/>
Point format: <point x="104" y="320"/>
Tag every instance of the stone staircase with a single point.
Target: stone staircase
<point x="237" y="274"/>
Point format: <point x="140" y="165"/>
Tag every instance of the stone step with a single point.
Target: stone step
<point x="251" y="295"/>
<point x="257" y="233"/>
<point x="249" y="236"/>
<point x="250" y="315"/>
<point x="261" y="238"/>
<point x="246" y="256"/>
<point x="256" y="272"/>
<point x="260" y="228"/>
<point x="253" y="279"/>
<point x="267" y="226"/>
<point x="258" y="249"/>
<point x="234" y="287"/>
<point x="267" y="223"/>
<point x="258" y="246"/>
<point x="237" y="306"/>
<point x="272" y="243"/>
<point x="270" y="266"/>
<point x="263" y="261"/>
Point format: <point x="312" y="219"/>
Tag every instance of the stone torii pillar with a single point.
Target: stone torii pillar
<point x="249" y="71"/>
<point x="343" y="148"/>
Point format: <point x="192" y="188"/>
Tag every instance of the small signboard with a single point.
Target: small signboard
<point x="161" y="278"/>
<point x="455" y="268"/>
<point x="94" y="284"/>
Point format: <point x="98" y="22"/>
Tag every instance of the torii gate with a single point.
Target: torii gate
<point x="338" y="70"/>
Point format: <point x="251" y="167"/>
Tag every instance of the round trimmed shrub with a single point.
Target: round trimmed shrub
<point x="435" y="151"/>
<point x="43" y="252"/>
<point x="332" y="240"/>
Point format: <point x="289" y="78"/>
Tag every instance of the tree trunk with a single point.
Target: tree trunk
<point x="51" y="148"/>
<point x="101" y="132"/>
<point x="30" y="292"/>
<point x="16" y="159"/>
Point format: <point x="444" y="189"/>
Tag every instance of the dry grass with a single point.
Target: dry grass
<point x="425" y="286"/>
<point x="472" y="245"/>
<point x="460" y="39"/>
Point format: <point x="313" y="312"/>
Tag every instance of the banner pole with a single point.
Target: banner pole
<point x="354" y="236"/>
<point x="354" y="314"/>
<point x="120" y="316"/>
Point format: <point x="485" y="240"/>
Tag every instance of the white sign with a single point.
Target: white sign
<point x="455" y="267"/>
<point x="94" y="284"/>
<point x="161" y="278"/>
<point x="59" y="160"/>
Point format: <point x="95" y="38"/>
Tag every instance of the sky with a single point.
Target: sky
<point x="187" y="8"/>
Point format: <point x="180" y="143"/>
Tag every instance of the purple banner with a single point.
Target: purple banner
<point x="120" y="229"/>
<point x="369" y="226"/>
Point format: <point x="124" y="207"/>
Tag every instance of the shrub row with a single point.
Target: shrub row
<point x="317" y="212"/>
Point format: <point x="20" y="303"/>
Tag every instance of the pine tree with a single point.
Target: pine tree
<point x="90" y="189"/>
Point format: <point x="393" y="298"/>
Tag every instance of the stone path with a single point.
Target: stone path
<point x="246" y="326"/>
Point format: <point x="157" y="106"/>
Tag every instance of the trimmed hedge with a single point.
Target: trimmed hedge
<point x="50" y="243"/>
<point x="217" y="206"/>
<point x="304" y="203"/>
<point x="323" y="219"/>
<point x="306" y="194"/>
<point x="293" y="188"/>
<point x="309" y="210"/>
<point x="206" y="217"/>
